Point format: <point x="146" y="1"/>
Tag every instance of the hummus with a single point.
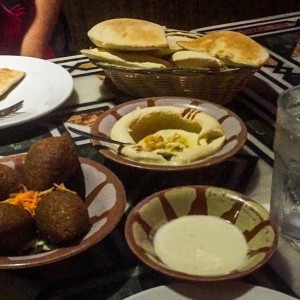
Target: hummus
<point x="168" y="135"/>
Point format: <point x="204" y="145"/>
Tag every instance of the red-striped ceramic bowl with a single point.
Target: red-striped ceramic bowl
<point x="105" y="198"/>
<point x="249" y="217"/>
<point x="234" y="128"/>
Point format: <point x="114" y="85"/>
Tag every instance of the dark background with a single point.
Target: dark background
<point x="177" y="14"/>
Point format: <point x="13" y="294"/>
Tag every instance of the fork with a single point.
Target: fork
<point x="11" y="109"/>
<point x="96" y="137"/>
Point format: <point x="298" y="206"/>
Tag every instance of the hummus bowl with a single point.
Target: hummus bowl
<point x="169" y="133"/>
<point x="201" y="233"/>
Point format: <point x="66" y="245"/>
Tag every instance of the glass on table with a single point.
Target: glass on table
<point x="285" y="194"/>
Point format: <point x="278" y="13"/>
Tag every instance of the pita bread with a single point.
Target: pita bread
<point x="172" y="46"/>
<point x="233" y="48"/>
<point x="9" y="78"/>
<point x="193" y="59"/>
<point x="128" y="34"/>
<point x="126" y="59"/>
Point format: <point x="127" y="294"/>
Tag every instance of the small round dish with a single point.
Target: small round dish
<point x="234" y="128"/>
<point x="105" y="197"/>
<point x="249" y="217"/>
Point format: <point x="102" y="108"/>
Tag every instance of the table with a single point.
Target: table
<point x="108" y="270"/>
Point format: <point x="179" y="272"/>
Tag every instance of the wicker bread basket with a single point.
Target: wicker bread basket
<point x="216" y="86"/>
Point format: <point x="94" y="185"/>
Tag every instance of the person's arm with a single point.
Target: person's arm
<point x="44" y="17"/>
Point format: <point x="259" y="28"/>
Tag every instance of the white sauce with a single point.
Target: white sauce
<point x="201" y="245"/>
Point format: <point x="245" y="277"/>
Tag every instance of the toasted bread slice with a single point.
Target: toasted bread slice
<point x="128" y="34"/>
<point x="9" y="78"/>
<point x="233" y="48"/>
<point x="135" y="60"/>
<point x="193" y="59"/>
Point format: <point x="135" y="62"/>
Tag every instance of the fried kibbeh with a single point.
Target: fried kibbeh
<point x="50" y="160"/>
<point x="17" y="228"/>
<point x="11" y="181"/>
<point x="61" y="217"/>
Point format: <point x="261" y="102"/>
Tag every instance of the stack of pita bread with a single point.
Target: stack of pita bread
<point x="140" y="44"/>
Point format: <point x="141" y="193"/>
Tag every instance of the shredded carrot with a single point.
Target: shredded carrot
<point x="61" y="187"/>
<point x="28" y="199"/>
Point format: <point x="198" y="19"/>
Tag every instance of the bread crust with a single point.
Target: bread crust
<point x="9" y="78"/>
<point x="233" y="48"/>
<point x="194" y="59"/>
<point x="128" y="34"/>
<point x="135" y="60"/>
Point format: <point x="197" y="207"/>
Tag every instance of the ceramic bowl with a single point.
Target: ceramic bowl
<point x="233" y="126"/>
<point x="160" y="208"/>
<point x="105" y="197"/>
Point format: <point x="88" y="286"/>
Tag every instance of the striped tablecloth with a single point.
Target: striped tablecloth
<point x="108" y="270"/>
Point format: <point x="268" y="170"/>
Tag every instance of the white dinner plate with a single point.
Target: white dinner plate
<point x="45" y="87"/>
<point x="213" y="291"/>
